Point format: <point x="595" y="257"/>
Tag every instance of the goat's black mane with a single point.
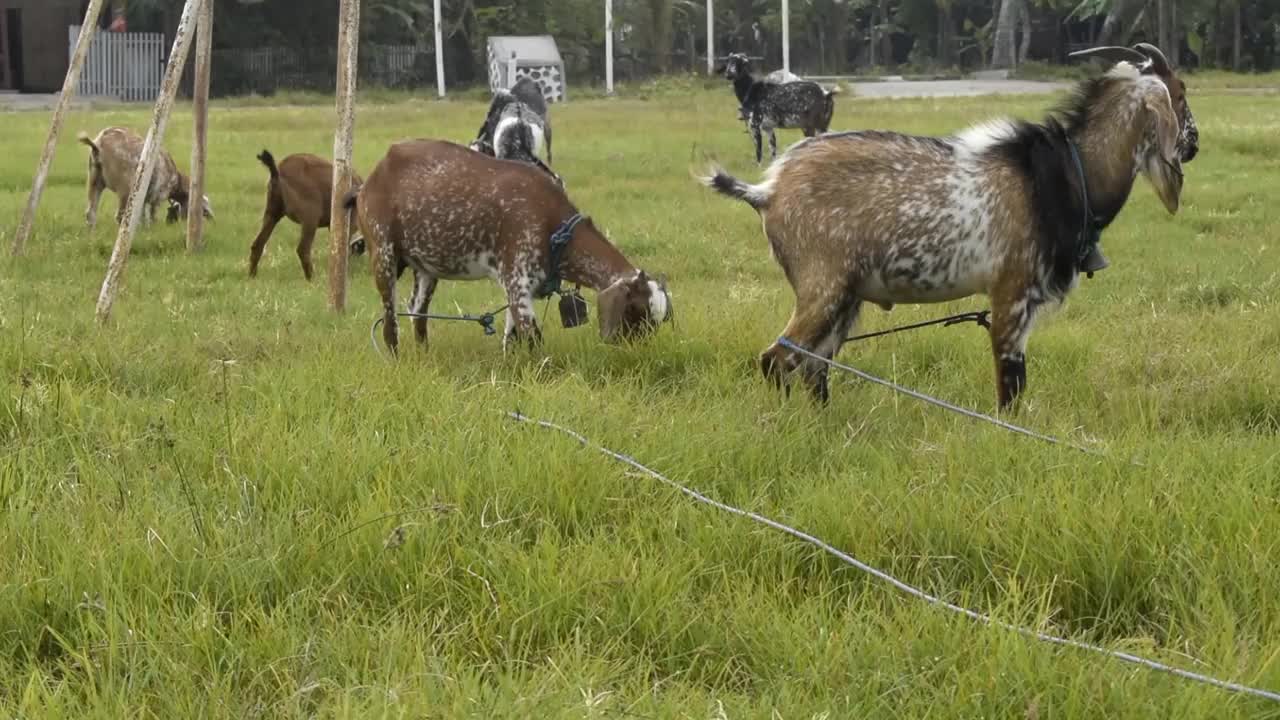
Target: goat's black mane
<point x="1041" y="152"/>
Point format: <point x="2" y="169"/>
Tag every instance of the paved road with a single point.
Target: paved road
<point x="19" y="101"/>
<point x="952" y="88"/>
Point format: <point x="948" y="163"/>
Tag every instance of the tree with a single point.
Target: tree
<point x="1003" y="54"/>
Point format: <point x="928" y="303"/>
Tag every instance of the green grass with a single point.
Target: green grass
<point x="197" y="499"/>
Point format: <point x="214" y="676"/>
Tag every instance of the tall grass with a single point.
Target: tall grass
<point x="224" y="504"/>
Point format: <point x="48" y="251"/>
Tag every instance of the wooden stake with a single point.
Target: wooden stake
<point x="142" y="178"/>
<point x="200" y="108"/>
<point x="69" y="84"/>
<point x="339" y="220"/>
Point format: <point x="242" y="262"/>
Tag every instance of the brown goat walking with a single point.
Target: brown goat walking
<point x="299" y="188"/>
<point x="113" y="162"/>
<point x="448" y="212"/>
<point x="1011" y="210"/>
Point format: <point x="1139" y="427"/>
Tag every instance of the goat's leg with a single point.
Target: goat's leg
<point x="547" y="136"/>
<point x="272" y="213"/>
<point x="96" y="186"/>
<point x="773" y="145"/>
<point x="756" y="138"/>
<point x="819" y="324"/>
<point x="522" y="321"/>
<point x="124" y="203"/>
<point x="269" y="221"/>
<point x="304" y="248"/>
<point x="424" y="286"/>
<point x="1011" y="319"/>
<point x="384" y="276"/>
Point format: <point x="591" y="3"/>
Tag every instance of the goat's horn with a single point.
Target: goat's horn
<point x="1114" y="53"/>
<point x="1159" y="63"/>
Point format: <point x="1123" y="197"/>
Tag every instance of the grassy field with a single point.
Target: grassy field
<point x="225" y="504"/>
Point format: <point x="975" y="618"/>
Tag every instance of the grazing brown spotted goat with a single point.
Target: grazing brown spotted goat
<point x="447" y="212"/>
<point x="1010" y="209"/>
<point x="113" y="161"/>
<point x="299" y="188"/>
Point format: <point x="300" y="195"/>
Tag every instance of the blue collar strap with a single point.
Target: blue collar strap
<point x="559" y="241"/>
<point x="1089" y="258"/>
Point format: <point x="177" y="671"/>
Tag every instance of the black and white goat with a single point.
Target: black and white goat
<point x="769" y="105"/>
<point x="516" y="126"/>
<point x="1008" y="209"/>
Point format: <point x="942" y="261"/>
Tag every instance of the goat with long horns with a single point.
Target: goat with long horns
<point x="1008" y="209"/>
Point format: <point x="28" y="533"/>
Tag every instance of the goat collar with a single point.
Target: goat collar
<point x="1089" y="258"/>
<point x="559" y="241"/>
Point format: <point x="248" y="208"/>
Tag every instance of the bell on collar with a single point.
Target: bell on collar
<point x="573" y="309"/>
<point x="1094" y="261"/>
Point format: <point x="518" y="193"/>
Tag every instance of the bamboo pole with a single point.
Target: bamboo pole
<point x="150" y="152"/>
<point x="200" y="108"/>
<point x="69" y="84"/>
<point x="339" y="221"/>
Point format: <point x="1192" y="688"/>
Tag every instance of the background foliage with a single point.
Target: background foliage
<point x="827" y="36"/>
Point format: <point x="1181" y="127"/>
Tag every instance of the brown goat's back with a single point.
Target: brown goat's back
<point x="454" y="209"/>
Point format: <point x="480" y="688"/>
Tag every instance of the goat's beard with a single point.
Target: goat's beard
<point x="1166" y="177"/>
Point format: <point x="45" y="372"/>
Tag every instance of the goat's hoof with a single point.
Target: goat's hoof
<point x="1094" y="261"/>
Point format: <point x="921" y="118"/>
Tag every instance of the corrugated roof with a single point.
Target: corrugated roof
<point x="526" y="47"/>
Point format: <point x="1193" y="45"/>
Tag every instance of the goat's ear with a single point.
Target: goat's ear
<point x="611" y="304"/>
<point x="1163" y="167"/>
<point x="1164" y="121"/>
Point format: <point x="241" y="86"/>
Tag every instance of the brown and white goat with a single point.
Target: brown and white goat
<point x="113" y="161"/>
<point x="299" y="188"/>
<point x="447" y="212"/>
<point x="998" y="209"/>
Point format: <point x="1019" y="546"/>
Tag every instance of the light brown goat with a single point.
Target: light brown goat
<point x="299" y="188"/>
<point x="113" y="162"/>
<point x="1011" y="210"/>
<point x="447" y="212"/>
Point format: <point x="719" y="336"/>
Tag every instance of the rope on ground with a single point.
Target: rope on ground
<point x="935" y="401"/>
<point x="900" y="585"/>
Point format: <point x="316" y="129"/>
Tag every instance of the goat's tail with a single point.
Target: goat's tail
<point x="266" y="159"/>
<point x="757" y="196"/>
<point x="84" y="139"/>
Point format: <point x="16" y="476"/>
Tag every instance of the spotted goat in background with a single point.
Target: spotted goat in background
<point x="447" y="212"/>
<point x="769" y="105"/>
<point x="113" y="162"/>
<point x="1008" y="209"/>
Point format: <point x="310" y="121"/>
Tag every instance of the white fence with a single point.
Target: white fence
<point x="124" y="66"/>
